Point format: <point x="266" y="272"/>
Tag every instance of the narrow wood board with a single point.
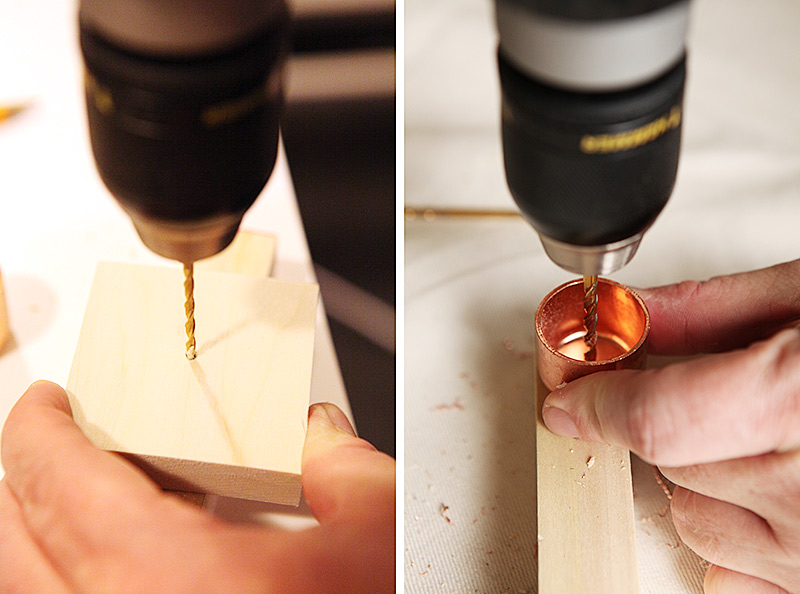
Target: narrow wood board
<point x="587" y="542"/>
<point x="232" y="422"/>
<point x="5" y="330"/>
<point x="248" y="253"/>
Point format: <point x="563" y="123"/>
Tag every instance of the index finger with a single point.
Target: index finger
<point x="720" y="407"/>
<point x="78" y="502"/>
<point x="723" y="313"/>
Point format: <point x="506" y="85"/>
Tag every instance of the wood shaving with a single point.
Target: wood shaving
<point x="590" y="462"/>
<point x="661" y="483"/>
<point x="521" y="355"/>
<point x="470" y="382"/>
<point x="662" y="514"/>
<point x="455" y="405"/>
<point x="443" y="512"/>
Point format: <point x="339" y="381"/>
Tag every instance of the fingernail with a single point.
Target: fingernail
<point x="680" y="496"/>
<point x="559" y="422"/>
<point x="332" y="414"/>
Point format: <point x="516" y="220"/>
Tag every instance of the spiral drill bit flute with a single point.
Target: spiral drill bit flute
<point x="188" y="289"/>
<point x="590" y="317"/>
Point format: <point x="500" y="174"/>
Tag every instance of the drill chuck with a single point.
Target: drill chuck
<point x="184" y="135"/>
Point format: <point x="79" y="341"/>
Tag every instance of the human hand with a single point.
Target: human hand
<point x="76" y="519"/>
<point x="725" y="428"/>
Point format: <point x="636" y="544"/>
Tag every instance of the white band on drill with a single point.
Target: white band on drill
<point x="601" y="55"/>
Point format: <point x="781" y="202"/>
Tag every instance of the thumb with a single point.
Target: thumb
<point x="342" y="474"/>
<point x="720" y="407"/>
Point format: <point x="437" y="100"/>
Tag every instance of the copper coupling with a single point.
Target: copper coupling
<point x="623" y="324"/>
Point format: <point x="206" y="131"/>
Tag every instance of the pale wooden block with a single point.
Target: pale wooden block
<point x="5" y="330"/>
<point x="587" y="542"/>
<point x="232" y="422"/>
<point x="248" y="253"/>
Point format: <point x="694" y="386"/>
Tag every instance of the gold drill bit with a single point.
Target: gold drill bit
<point x="590" y="316"/>
<point x="188" y="289"/>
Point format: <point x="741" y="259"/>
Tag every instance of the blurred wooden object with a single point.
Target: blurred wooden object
<point x="248" y="253"/>
<point x="5" y="330"/>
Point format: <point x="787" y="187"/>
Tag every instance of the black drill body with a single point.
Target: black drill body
<point x="592" y="110"/>
<point x="186" y="141"/>
<point x="591" y="168"/>
<point x="183" y="140"/>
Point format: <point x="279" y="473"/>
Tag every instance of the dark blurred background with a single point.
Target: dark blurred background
<point x="339" y="134"/>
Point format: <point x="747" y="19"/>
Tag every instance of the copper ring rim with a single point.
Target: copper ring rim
<point x="602" y="362"/>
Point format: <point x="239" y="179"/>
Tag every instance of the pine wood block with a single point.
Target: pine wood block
<point x="587" y="542"/>
<point x="248" y="253"/>
<point x="232" y="422"/>
<point x="5" y="330"/>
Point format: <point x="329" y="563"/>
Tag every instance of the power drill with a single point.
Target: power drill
<point x="592" y="99"/>
<point x="183" y="100"/>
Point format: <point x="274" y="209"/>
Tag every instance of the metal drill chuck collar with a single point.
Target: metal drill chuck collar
<point x="186" y="241"/>
<point x="591" y="260"/>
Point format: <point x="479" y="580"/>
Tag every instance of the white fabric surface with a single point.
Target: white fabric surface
<point x="472" y="286"/>
<point x="57" y="220"/>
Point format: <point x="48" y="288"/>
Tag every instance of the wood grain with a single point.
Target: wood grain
<point x="587" y="542"/>
<point x="248" y="253"/>
<point x="232" y="422"/>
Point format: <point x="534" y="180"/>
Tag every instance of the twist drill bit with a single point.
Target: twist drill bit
<point x="590" y="316"/>
<point x="188" y="289"/>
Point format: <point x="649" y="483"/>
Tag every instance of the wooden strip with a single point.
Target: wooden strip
<point x="231" y="422"/>
<point x="587" y="542"/>
<point x="431" y="214"/>
<point x="5" y="330"/>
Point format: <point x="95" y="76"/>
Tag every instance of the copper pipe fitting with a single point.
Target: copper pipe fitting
<point x="623" y="324"/>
